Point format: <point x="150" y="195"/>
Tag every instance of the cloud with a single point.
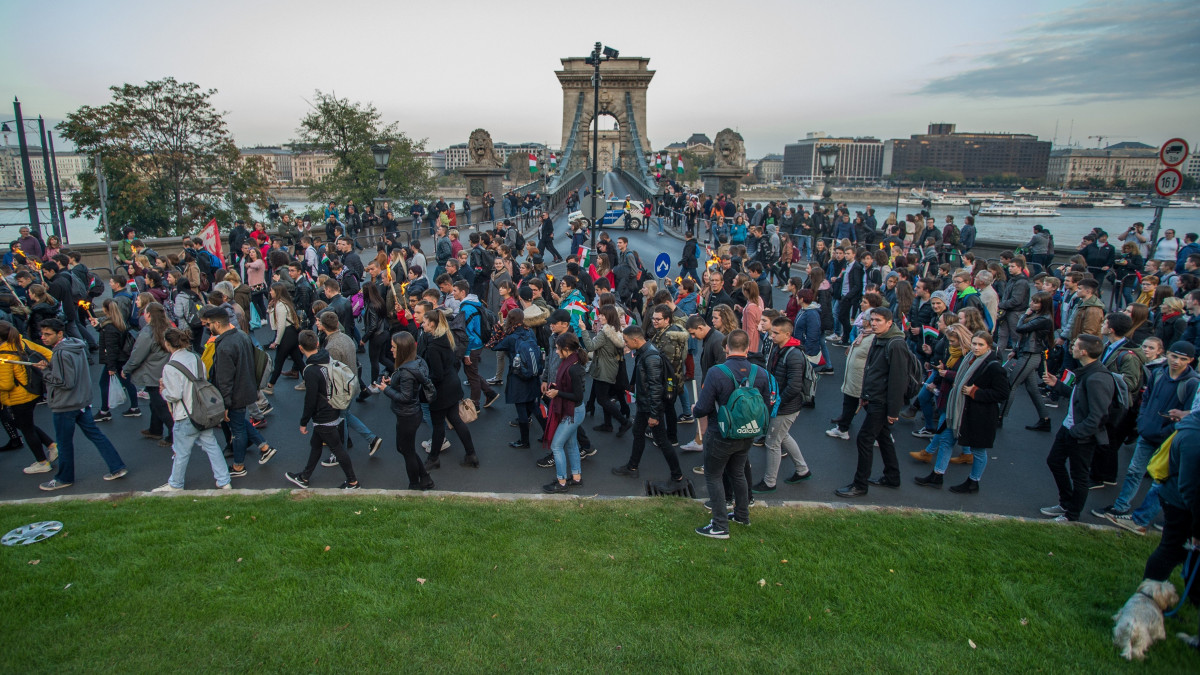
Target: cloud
<point x="1097" y="51"/>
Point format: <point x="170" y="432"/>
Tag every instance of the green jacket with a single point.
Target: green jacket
<point x="607" y="349"/>
<point x="1128" y="360"/>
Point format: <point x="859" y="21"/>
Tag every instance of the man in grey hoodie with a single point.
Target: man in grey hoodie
<point x="68" y="383"/>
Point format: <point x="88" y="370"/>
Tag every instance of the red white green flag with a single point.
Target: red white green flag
<point x="679" y="165"/>
<point x="533" y="167"/>
<point x="553" y="162"/>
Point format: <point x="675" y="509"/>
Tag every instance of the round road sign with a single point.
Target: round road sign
<point x="1173" y="152"/>
<point x="1168" y="182"/>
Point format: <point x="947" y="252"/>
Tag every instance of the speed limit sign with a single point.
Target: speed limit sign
<point x="1168" y="182"/>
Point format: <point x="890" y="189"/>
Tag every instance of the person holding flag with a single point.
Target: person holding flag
<point x="573" y="302"/>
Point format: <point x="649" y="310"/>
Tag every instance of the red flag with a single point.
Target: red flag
<point x="211" y="235"/>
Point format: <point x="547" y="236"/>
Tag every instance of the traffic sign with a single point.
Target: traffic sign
<point x="662" y="265"/>
<point x="1168" y="182"/>
<point x="1173" y="152"/>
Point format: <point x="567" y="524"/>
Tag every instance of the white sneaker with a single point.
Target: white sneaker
<point x="445" y="444"/>
<point x="38" y="467"/>
<point x="166" y="487"/>
<point x="226" y="486"/>
<point x="692" y="447"/>
<point x="1055" y="510"/>
<point x="838" y="433"/>
<point x="52" y="452"/>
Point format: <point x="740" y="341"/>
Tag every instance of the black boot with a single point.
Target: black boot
<point x="1041" y="425"/>
<point x="967" y="487"/>
<point x="933" y="480"/>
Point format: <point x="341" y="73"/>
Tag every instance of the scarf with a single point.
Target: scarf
<point x="955" y="355"/>
<point x="560" y="407"/>
<point x="957" y="400"/>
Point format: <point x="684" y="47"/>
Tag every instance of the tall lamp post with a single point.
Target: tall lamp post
<point x="827" y="156"/>
<point x="26" y="173"/>
<point x="974" y="206"/>
<point x="383" y="155"/>
<point x="598" y="56"/>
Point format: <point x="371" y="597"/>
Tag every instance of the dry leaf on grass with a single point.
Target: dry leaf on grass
<point x="420" y="581"/>
<point x="762" y="582"/>
<point x="34" y="562"/>
<point x="326" y="548"/>
<point x="1024" y="621"/>
<point x="972" y="643"/>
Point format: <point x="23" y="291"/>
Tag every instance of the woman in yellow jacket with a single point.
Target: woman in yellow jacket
<point x="14" y="379"/>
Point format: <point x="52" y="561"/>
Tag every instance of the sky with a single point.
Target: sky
<point x="772" y="70"/>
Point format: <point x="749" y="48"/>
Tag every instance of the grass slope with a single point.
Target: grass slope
<point x="288" y="583"/>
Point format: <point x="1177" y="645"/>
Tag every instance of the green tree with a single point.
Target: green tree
<point x="347" y="130"/>
<point x="932" y="175"/>
<point x="168" y="158"/>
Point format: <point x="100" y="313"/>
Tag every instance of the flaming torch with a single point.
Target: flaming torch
<point x="86" y="307"/>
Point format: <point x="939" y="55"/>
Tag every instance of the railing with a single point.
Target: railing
<point x="644" y="180"/>
<point x="569" y="151"/>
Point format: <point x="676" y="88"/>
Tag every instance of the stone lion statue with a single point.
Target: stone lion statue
<point x="730" y="149"/>
<point x="481" y="150"/>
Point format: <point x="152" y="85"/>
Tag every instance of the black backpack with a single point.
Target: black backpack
<point x="33" y="376"/>
<point x="520" y="241"/>
<point x="916" y="374"/>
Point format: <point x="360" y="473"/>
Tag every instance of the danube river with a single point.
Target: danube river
<point x="1068" y="228"/>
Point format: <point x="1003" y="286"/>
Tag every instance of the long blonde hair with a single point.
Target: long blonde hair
<point x="442" y="327"/>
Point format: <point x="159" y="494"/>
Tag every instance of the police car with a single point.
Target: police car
<point x="614" y="214"/>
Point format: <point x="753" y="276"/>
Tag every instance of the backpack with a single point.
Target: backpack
<point x="520" y="239"/>
<point x="191" y="310"/>
<point x="672" y="384"/>
<point x="356" y="304"/>
<point x="263" y="365"/>
<point x="342" y="383"/>
<point x="78" y="291"/>
<point x="808" y="390"/>
<point x="205" y="407"/>
<point x="527" y="361"/>
<point x="487" y="320"/>
<point x="916" y="374"/>
<point x="33" y="376"/>
<point x="744" y="414"/>
<point x="1121" y="401"/>
<point x="95" y="288"/>
<point x="128" y="340"/>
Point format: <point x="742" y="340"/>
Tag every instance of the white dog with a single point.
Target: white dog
<point x="1140" y="622"/>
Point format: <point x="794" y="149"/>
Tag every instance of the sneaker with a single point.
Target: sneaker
<point x="374" y="447"/>
<point x="267" y="410"/>
<point x="761" y="441"/>
<point x="346" y="485"/>
<point x="258" y="423"/>
<point x="226" y="486"/>
<point x="514" y="423"/>
<point x="698" y="470"/>
<point x="1126" y="522"/>
<point x="625" y="470"/>
<point x="495" y="381"/>
<point x="924" y="432"/>
<point x="52" y="452"/>
<point x="329" y="461"/>
<point x="1062" y="519"/>
<point x="38" y="467"/>
<point x="237" y="473"/>
<point x="132" y="412"/>
<point x="146" y="433"/>
<point x="266" y="455"/>
<point x="584" y="453"/>
<point x="1103" y="513"/>
<point x="762" y="488"/>
<point x="546" y="462"/>
<point x="295" y="478"/>
<point x="1055" y="510"/>
<point x="103" y="416"/>
<point x="489" y="400"/>
<point x="1049" y="403"/>
<point x="554" y="487"/>
<point x="166" y="487"/>
<point x="728" y="505"/>
<point x="119" y="473"/>
<point x="734" y="519"/>
<point x="269" y="390"/>
<point x="686" y="419"/>
<point x="299" y="387"/>
<point x="838" y="433"/>
<point x="712" y="532"/>
<point x="827" y="370"/>
<point x="445" y="445"/>
<point x="143" y="394"/>
<point x="54" y="484"/>
<point x="692" y="447"/>
<point x="1158" y="526"/>
<point x="797" y="477"/>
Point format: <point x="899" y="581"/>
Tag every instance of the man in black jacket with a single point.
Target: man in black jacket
<point x="233" y="374"/>
<point x="921" y="314"/>
<point x="717" y="296"/>
<point x="647" y="384"/>
<point x="852" y="292"/>
<point x="350" y="260"/>
<point x="60" y="289"/>
<point x="338" y="304"/>
<point x="1083" y="429"/>
<point x="1017" y="292"/>
<point x="885" y="379"/>
<point x="326" y="419"/>
<point x="546" y="238"/>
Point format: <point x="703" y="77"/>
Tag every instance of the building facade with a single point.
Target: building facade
<point x="769" y="169"/>
<point x="310" y="167"/>
<point x="1191" y="166"/>
<point x="859" y="160"/>
<point x="68" y="165"/>
<point x="973" y="155"/>
<point x="1071" y="167"/>
<point x="457" y="155"/>
<point x="279" y="165"/>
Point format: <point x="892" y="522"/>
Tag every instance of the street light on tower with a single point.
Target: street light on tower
<point x="383" y="155"/>
<point x="827" y="156"/>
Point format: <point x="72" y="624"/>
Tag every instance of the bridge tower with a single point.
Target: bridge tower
<point x="623" y="87"/>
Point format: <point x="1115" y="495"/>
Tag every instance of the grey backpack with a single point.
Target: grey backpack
<point x="205" y="407"/>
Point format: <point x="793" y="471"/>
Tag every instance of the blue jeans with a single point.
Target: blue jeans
<point x="928" y="402"/>
<point x="1151" y="506"/>
<point x="186" y="437"/>
<point x="64" y="435"/>
<point x="1142" y="452"/>
<point x="565" y="445"/>
<point x="837" y="321"/>
<point x="356" y="425"/>
<point x="804" y="245"/>
<point x="660" y="225"/>
<point x="243" y="435"/>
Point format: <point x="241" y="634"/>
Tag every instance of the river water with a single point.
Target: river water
<point x="1068" y="228"/>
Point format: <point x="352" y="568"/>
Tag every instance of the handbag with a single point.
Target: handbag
<point x="467" y="411"/>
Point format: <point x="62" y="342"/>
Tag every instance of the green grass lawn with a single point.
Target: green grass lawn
<point x="283" y="583"/>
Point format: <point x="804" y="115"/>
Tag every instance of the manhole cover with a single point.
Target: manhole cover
<point x="31" y="534"/>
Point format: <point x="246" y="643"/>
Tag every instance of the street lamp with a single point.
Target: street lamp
<point x="382" y="154"/>
<point x="27" y="172"/>
<point x="827" y="156"/>
<point x="975" y="205"/>
<point x="597" y="57"/>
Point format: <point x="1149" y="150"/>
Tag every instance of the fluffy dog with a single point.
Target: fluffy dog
<point x="1140" y="622"/>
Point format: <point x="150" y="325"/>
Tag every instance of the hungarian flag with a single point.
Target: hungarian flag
<point x="930" y="333"/>
<point x="212" y="239"/>
<point x="1068" y="378"/>
<point x="585" y="256"/>
<point x="553" y="162"/>
<point x="658" y="162"/>
<point x="533" y="167"/>
<point x="668" y="165"/>
<point x="679" y="165"/>
<point x="630" y="398"/>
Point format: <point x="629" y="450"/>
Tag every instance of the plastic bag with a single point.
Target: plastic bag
<point x="116" y="393"/>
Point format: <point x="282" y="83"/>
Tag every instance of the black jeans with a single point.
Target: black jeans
<point x="321" y="436"/>
<point x="606" y="398"/>
<point x="547" y="246"/>
<point x="721" y="456"/>
<point x="288" y="347"/>
<point x="35" y="438"/>
<point x="406" y="445"/>
<point x="439" y="419"/>
<point x="849" y="410"/>
<point x="161" y="422"/>
<point x="1104" y="460"/>
<point x="1073" y="483"/>
<point x="659" y="431"/>
<point x="525" y="411"/>
<point x="845" y="307"/>
<point x="671" y="417"/>
<point x="875" y="427"/>
<point x="379" y="353"/>
<point x="1178" y="528"/>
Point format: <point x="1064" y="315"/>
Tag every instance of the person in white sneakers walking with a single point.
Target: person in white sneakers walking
<point x="176" y="388"/>
<point x="15" y="395"/>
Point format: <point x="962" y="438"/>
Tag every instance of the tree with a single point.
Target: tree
<point x="168" y="158"/>
<point x="347" y="130"/>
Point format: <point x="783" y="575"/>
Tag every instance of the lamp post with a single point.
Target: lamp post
<point x="30" y="196"/>
<point x="974" y="206"/>
<point x="827" y="156"/>
<point x="597" y="56"/>
<point x="383" y="155"/>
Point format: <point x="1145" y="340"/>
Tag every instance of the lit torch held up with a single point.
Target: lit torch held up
<point x="86" y="307"/>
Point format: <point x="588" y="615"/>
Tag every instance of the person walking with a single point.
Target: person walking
<point x="546" y="238"/>
<point x="885" y="379"/>
<point x="724" y="452"/>
<point x="233" y="375"/>
<point x="68" y="382"/>
<point x="852" y="381"/>
<point x="1035" y="329"/>
<point x="16" y="397"/>
<point x="607" y="347"/>
<point x="438" y="353"/>
<point x="522" y="389"/>
<point x="406" y="387"/>
<point x="285" y="321"/>
<point x="972" y="413"/>
<point x="145" y="367"/>
<point x="787" y="363"/>
<point x="565" y="392"/>
<point x="471" y="311"/>
<point x="326" y="420"/>
<point x="180" y="375"/>
<point x="649" y="394"/>
<point x="116" y="345"/>
<point x="1082" y="430"/>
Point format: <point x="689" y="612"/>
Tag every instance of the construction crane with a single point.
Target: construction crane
<point x="1100" y="139"/>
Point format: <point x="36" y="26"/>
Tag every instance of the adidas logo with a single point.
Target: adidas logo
<point x="750" y="427"/>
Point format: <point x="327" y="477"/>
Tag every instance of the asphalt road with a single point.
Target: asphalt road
<point x="1016" y="482"/>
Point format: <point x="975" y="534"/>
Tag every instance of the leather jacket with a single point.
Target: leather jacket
<point x="406" y="387"/>
<point x="648" y="380"/>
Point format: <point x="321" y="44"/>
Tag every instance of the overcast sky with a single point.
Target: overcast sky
<point x="773" y="70"/>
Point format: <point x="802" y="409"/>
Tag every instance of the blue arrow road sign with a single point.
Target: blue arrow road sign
<point x="662" y="265"/>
